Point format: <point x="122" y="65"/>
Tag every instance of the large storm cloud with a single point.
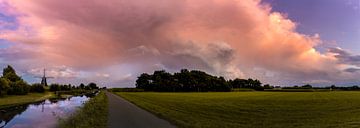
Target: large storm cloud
<point x="234" y="38"/>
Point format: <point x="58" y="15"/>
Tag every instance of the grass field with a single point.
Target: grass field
<point x="92" y="115"/>
<point x="253" y="109"/>
<point x="23" y="99"/>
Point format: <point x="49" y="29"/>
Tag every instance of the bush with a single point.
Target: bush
<point x="4" y="86"/>
<point x="19" y="88"/>
<point x="37" y="88"/>
<point x="54" y="87"/>
<point x="12" y="84"/>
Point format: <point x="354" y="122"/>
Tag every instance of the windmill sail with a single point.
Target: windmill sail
<point x="44" y="79"/>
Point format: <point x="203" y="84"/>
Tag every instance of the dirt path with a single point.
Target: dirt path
<point x="123" y="114"/>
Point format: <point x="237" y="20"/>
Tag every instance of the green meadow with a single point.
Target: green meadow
<point x="253" y="109"/>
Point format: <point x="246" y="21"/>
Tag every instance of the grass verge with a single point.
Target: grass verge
<point x="253" y="109"/>
<point x="93" y="114"/>
<point x="13" y="100"/>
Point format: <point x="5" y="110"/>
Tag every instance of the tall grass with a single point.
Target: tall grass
<point x="93" y="114"/>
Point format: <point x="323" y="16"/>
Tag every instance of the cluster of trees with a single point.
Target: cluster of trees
<point x="349" y="88"/>
<point x="60" y="87"/>
<point x="12" y="84"/>
<point x="332" y="87"/>
<point x="190" y="81"/>
<point x="247" y="83"/>
<point x="306" y="86"/>
<point x="37" y="87"/>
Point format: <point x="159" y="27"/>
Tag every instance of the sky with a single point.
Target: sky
<point x="111" y="42"/>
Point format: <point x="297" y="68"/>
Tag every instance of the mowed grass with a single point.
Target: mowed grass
<point x="23" y="99"/>
<point x="253" y="109"/>
<point x="93" y="114"/>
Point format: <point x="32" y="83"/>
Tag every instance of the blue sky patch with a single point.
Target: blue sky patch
<point x="8" y="22"/>
<point x="5" y="43"/>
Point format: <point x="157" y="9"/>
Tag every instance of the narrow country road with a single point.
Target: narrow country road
<point x="123" y="114"/>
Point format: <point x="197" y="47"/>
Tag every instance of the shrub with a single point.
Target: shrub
<point x="19" y="88"/>
<point x="4" y="86"/>
<point x="37" y="88"/>
<point x="54" y="87"/>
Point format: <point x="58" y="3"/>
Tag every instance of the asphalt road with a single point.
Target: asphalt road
<point x="123" y="114"/>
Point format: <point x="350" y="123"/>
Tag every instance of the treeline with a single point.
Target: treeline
<point x="306" y="86"/>
<point x="349" y="88"/>
<point x="191" y="81"/>
<point x="64" y="87"/>
<point x="12" y="84"/>
<point x="332" y="87"/>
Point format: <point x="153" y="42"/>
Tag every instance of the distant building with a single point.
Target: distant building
<point x="44" y="79"/>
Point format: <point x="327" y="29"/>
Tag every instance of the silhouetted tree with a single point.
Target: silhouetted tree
<point x="333" y="87"/>
<point x="10" y="74"/>
<point x="143" y="81"/>
<point x="37" y="87"/>
<point x="306" y="86"/>
<point x="87" y="88"/>
<point x="82" y="86"/>
<point x="355" y="87"/>
<point x="239" y="83"/>
<point x="267" y="86"/>
<point x="93" y="86"/>
<point x="54" y="87"/>
<point x="182" y="81"/>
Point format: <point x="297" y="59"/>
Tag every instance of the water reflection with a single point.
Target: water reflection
<point x="43" y="114"/>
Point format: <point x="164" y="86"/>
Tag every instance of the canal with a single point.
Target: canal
<point x="44" y="114"/>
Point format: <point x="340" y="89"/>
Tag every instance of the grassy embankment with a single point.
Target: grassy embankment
<point x="93" y="114"/>
<point x="253" y="109"/>
<point x="13" y="100"/>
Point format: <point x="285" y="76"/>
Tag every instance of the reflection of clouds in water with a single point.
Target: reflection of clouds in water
<point x="46" y="114"/>
<point x="2" y="123"/>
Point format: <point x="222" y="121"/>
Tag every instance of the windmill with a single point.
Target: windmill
<point x="44" y="78"/>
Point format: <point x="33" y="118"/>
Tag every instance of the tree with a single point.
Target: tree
<point x="54" y="87"/>
<point x="8" y="69"/>
<point x="239" y="83"/>
<point x="355" y="87"/>
<point x="267" y="86"/>
<point x="143" y="80"/>
<point x="37" y="87"/>
<point x="332" y="87"/>
<point x="93" y="86"/>
<point x="87" y="88"/>
<point x="12" y="84"/>
<point x="10" y="74"/>
<point x="19" y="88"/>
<point x="307" y="86"/>
<point x="4" y="86"/>
<point x="82" y="86"/>
<point x="184" y="80"/>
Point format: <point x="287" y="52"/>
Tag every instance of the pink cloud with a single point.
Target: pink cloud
<point x="230" y="38"/>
